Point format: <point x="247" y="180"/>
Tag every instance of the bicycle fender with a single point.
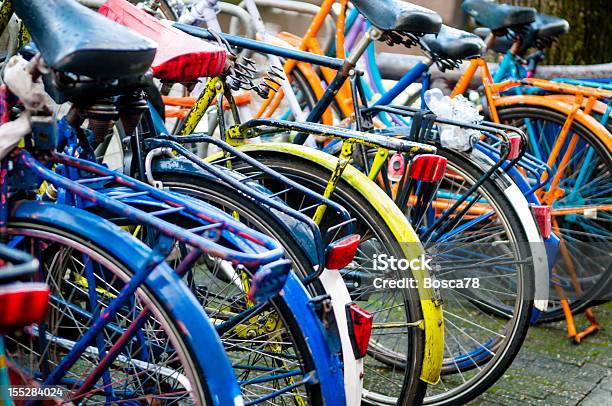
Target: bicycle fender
<point x="335" y="287"/>
<point x="588" y="121"/>
<point x="184" y="308"/>
<point x="432" y="309"/>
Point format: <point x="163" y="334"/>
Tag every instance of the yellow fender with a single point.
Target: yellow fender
<point x="588" y="121"/>
<point x="402" y="231"/>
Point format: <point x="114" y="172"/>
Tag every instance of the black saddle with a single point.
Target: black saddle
<point x="498" y="16"/>
<point x="453" y="44"/>
<point x="395" y="15"/>
<point x="540" y="34"/>
<point x="77" y="40"/>
<point x="546" y="26"/>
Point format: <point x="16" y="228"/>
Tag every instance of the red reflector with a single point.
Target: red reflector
<point x="340" y="253"/>
<point x="515" y="147"/>
<point x="22" y="304"/>
<point x="428" y="168"/>
<point x="360" y="328"/>
<point x="396" y="166"/>
<point x="542" y="215"/>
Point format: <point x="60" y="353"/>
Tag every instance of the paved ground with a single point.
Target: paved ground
<point x="550" y="370"/>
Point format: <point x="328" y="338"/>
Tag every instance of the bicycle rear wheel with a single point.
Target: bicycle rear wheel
<point x="485" y="325"/>
<point x="396" y="351"/>
<point x="159" y="363"/>
<point x="286" y="336"/>
<point x="583" y="210"/>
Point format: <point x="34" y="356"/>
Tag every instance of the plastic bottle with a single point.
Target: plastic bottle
<point x="458" y="109"/>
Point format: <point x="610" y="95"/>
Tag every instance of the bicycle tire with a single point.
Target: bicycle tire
<point x="315" y="177"/>
<point x="600" y="287"/>
<point x="515" y="329"/>
<point x="38" y="229"/>
<point x="296" y="347"/>
<point x="255" y="216"/>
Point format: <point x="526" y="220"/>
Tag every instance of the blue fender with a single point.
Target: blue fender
<point x="195" y="327"/>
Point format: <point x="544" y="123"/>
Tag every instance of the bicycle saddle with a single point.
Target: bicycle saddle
<point x="498" y="16"/>
<point x="75" y="39"/>
<point x="547" y="26"/>
<point x="541" y="33"/>
<point x="180" y="57"/>
<point x="453" y="44"/>
<point x="395" y="15"/>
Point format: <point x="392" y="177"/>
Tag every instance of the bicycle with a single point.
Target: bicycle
<point x="572" y="142"/>
<point x="117" y="199"/>
<point x="262" y="47"/>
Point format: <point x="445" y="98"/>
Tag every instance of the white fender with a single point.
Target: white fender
<point x="540" y="259"/>
<point x="353" y="368"/>
<point x="536" y="244"/>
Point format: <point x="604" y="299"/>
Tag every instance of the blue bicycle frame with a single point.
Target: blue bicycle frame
<point x="323" y="345"/>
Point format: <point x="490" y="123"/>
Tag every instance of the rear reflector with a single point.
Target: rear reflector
<point x="396" y="167"/>
<point x="428" y="168"/>
<point x="360" y="328"/>
<point x="515" y="147"/>
<point x="340" y="253"/>
<point x="542" y="215"/>
<point x="22" y="304"/>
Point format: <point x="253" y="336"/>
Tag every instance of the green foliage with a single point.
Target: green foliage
<point x="588" y="41"/>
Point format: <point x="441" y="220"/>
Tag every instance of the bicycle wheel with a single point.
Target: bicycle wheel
<point x="581" y="213"/>
<point x="396" y="355"/>
<point x="265" y="343"/>
<point x="158" y="364"/>
<point x="256" y="217"/>
<point x="485" y="325"/>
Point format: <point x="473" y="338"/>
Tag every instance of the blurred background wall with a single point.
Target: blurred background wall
<point x="589" y="39"/>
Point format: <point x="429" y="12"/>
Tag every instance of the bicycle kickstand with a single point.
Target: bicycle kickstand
<point x="575" y="336"/>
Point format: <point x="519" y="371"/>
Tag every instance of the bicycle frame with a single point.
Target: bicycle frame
<point x="340" y="79"/>
<point x="573" y="112"/>
<point x="295" y="295"/>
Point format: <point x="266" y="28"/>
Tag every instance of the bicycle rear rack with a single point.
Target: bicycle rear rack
<point x="243" y="246"/>
<point x="219" y="166"/>
<point x="424" y="125"/>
